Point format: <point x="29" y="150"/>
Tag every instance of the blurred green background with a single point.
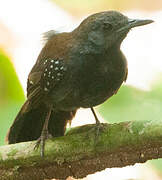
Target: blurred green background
<point x="130" y="103"/>
<point x="11" y="95"/>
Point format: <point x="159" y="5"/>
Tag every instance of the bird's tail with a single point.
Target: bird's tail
<point x="28" y="124"/>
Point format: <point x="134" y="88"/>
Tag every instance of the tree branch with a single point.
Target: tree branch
<point x="80" y="153"/>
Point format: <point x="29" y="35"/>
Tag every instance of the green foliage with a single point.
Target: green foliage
<point x="133" y="104"/>
<point x="11" y="95"/>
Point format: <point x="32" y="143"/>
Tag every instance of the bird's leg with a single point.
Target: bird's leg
<point x="98" y="124"/>
<point x="97" y="120"/>
<point x="44" y="133"/>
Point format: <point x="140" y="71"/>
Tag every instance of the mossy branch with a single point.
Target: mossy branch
<point x="79" y="153"/>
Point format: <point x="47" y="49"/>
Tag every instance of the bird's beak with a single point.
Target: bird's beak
<point x="138" y="22"/>
<point x="134" y="23"/>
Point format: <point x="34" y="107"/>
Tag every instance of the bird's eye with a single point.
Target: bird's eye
<point x="107" y="26"/>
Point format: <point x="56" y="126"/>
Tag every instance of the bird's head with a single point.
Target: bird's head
<point x="107" y="28"/>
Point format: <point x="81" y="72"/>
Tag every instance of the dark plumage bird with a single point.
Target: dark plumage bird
<point x="82" y="68"/>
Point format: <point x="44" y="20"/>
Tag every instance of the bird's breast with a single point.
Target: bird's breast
<point x="101" y="79"/>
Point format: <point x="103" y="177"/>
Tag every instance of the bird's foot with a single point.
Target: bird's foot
<point x="41" y="142"/>
<point x="99" y="127"/>
<point x="95" y="131"/>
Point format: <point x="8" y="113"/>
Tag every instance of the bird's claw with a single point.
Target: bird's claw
<point x="95" y="130"/>
<point x="98" y="128"/>
<point x="41" y="142"/>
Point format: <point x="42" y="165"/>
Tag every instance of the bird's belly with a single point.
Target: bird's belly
<point x="99" y="91"/>
<point x="103" y="80"/>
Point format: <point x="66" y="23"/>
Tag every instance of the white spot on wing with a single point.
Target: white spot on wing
<point x="48" y="83"/>
<point x="57" y="62"/>
<point x="45" y="89"/>
<point x="58" y="74"/>
<point x="45" y="61"/>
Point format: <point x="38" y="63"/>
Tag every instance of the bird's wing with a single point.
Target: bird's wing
<point x="44" y="77"/>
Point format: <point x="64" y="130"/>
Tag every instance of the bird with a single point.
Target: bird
<point x="78" y="69"/>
